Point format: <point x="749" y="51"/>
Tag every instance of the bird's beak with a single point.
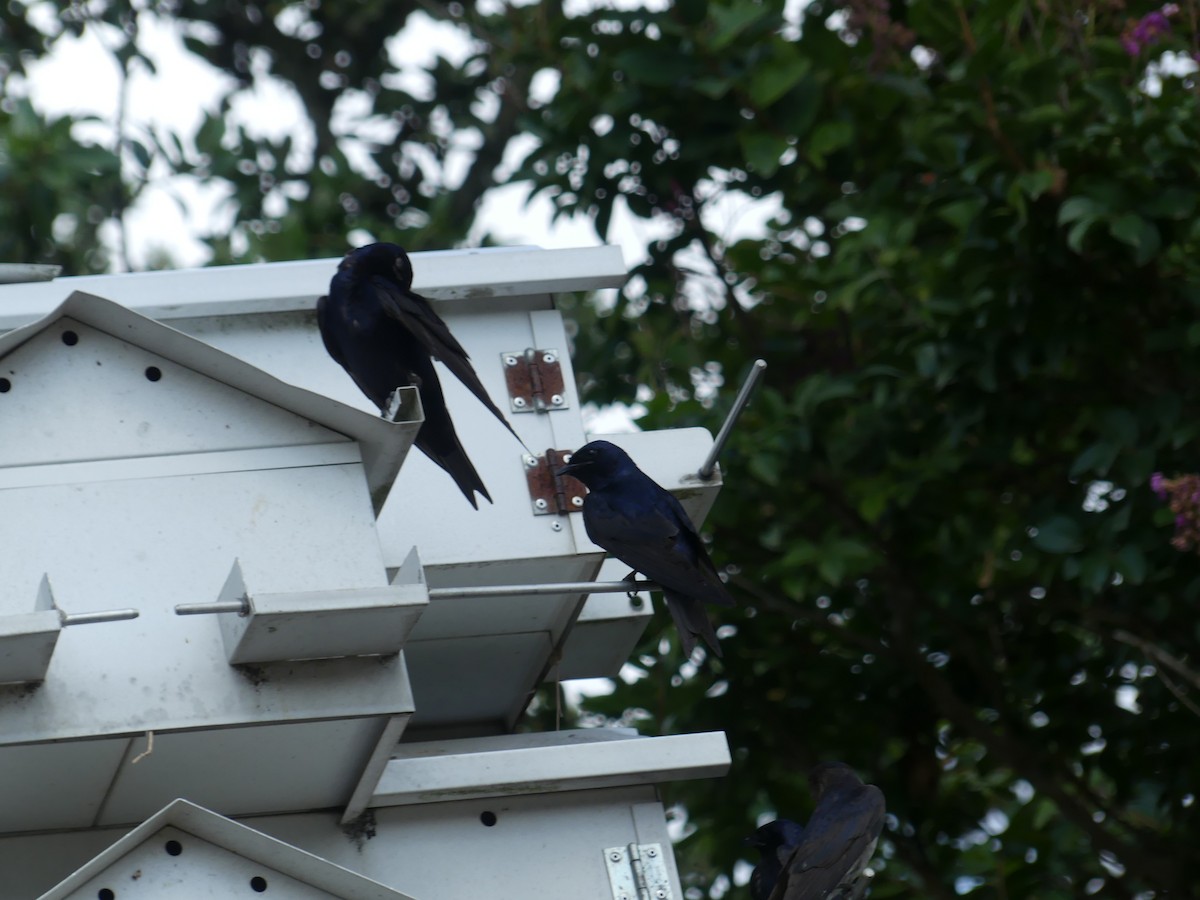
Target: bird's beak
<point x="569" y="469"/>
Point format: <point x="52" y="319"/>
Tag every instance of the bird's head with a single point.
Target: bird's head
<point x="767" y="839"/>
<point x="596" y="463"/>
<point x="383" y="259"/>
<point x="832" y="775"/>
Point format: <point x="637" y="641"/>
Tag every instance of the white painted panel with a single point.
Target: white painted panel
<point x="478" y="273"/>
<point x="199" y="871"/>
<point x="457" y="770"/>
<point x="150" y="544"/>
<point x="45" y="786"/>
<point x="234" y="771"/>
<point x="26" y="645"/>
<point x="483" y="680"/>
<point x="540" y="845"/>
<point x="184" y="850"/>
<point x="93" y="401"/>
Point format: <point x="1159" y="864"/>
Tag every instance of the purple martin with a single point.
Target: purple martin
<point x="825" y="859"/>
<point x="386" y="336"/>
<point x="641" y="524"/>
<point x="775" y="841"/>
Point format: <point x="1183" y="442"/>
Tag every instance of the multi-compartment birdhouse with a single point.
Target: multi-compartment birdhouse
<point x="239" y="617"/>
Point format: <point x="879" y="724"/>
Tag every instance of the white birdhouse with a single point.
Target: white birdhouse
<point x="330" y="645"/>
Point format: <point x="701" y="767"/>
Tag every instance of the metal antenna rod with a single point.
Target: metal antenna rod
<point x="743" y="397"/>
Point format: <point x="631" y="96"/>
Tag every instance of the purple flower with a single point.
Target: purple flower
<point x="1156" y="485"/>
<point x="1147" y="30"/>
<point x="1181" y="521"/>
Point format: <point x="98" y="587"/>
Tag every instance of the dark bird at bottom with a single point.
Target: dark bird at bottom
<point x="637" y="521"/>
<point x="823" y="860"/>
<point x="386" y="336"/>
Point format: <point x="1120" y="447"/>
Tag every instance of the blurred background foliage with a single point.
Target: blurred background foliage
<point x="976" y="285"/>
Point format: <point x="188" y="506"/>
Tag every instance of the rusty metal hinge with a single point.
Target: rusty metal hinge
<point x="535" y="380"/>
<point x="551" y="493"/>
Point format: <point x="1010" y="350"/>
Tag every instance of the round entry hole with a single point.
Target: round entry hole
<point x="70" y="338"/>
<point x="258" y="884"/>
<point x="153" y="373"/>
<point x="488" y="818"/>
<point x="5" y="385"/>
<point x="173" y="848"/>
<point x="105" y="894"/>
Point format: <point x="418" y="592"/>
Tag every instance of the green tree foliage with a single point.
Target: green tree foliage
<point x="977" y="293"/>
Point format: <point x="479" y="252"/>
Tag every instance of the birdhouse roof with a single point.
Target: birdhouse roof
<point x="186" y="823"/>
<point x="383" y="444"/>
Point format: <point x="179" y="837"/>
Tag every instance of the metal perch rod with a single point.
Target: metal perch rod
<point x="459" y="593"/>
<point x="743" y="397"/>
<point x="91" y="618"/>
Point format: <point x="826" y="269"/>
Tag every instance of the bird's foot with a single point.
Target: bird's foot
<point x="631" y="577"/>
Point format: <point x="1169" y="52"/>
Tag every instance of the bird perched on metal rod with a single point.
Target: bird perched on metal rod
<point x="641" y="524"/>
<point x="823" y="860"/>
<point x="386" y="337"/>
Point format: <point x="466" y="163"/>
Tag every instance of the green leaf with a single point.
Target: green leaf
<point x="1131" y="563"/>
<point x="1140" y="234"/>
<point x="827" y="138"/>
<point x="1076" y="208"/>
<point x="731" y="21"/>
<point x="1034" y="184"/>
<point x="775" y="78"/>
<point x="1059" y="534"/>
<point x="762" y="151"/>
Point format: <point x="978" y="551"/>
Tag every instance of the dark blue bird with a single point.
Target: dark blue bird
<point x="825" y="859"/>
<point x="641" y="524"/>
<point x="775" y="841"/>
<point x="386" y="336"/>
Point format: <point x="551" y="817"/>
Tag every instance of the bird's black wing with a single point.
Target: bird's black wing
<point x="657" y="544"/>
<point x="325" y="326"/>
<point x="414" y="313"/>
<point x="842" y="831"/>
<point x="692" y="540"/>
<point x="328" y="326"/>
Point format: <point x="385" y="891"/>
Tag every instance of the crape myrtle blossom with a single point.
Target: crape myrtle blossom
<point x="1182" y="495"/>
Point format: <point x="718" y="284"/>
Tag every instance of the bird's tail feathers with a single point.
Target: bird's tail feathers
<point x="691" y="622"/>
<point x="457" y="465"/>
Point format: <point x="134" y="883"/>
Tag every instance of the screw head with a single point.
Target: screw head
<point x="556" y="526"/>
<point x="652" y="853"/>
<point x="577" y="501"/>
<point x="540" y="503"/>
<point x="510" y="360"/>
<point x="660" y="893"/>
<point x="557" y="399"/>
<point x="615" y="856"/>
<point x="549" y="358"/>
<point x="531" y="462"/>
<point x="519" y="402"/>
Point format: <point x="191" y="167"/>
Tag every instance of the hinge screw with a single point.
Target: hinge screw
<point x="531" y="462"/>
<point x="577" y="501"/>
<point x="540" y="503"/>
<point x="510" y="360"/>
<point x="519" y="402"/>
<point x="557" y="399"/>
<point x="556" y="526"/>
<point x="615" y="856"/>
<point x="652" y="853"/>
<point x="549" y="358"/>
